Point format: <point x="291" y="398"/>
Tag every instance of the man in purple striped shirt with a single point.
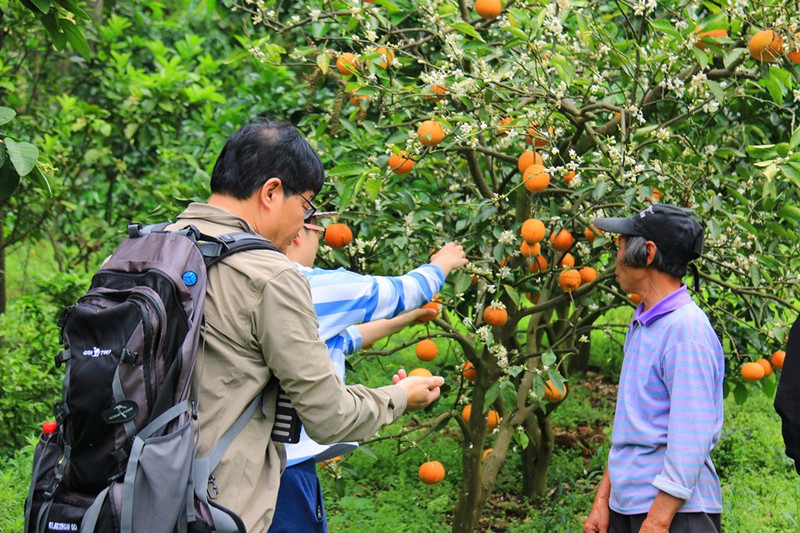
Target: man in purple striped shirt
<point x="659" y="476"/>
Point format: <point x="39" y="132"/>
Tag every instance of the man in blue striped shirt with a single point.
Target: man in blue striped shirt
<point x="669" y="413"/>
<point x="352" y="309"/>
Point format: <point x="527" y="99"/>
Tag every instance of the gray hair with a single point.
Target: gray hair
<point x="635" y="255"/>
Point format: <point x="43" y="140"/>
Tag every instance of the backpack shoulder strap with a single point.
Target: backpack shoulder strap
<point x="215" y="249"/>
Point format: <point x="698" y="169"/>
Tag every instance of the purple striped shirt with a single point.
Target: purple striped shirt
<point x="669" y="410"/>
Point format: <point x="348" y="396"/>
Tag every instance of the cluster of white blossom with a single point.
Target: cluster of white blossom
<point x="644" y="7"/>
<point x="501" y="353"/>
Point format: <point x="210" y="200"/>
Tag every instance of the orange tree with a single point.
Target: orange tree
<point x="560" y="112"/>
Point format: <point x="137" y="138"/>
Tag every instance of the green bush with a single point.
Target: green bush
<point x="29" y="382"/>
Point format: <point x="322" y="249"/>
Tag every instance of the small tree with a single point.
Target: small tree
<point x="626" y="104"/>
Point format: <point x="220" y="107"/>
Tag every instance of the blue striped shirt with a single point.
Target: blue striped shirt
<point x="343" y="299"/>
<point x="669" y="410"/>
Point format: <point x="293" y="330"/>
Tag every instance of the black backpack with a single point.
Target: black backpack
<point x="122" y="457"/>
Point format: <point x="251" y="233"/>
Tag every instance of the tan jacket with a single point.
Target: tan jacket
<point x="260" y="321"/>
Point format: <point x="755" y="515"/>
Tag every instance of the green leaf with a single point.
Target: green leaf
<point x="467" y="29"/>
<point x="73" y="8"/>
<point x="509" y="394"/>
<point x="345" y="169"/>
<point x="50" y="21"/>
<point x="549" y="358"/>
<point x="522" y="439"/>
<point x="665" y="26"/>
<point x="732" y="56"/>
<point x="795" y="138"/>
<point x="716" y="90"/>
<point x="790" y="212"/>
<point x="323" y="62"/>
<point x="9" y="180"/>
<point x="775" y="89"/>
<point x="512" y="293"/>
<point x="740" y="393"/>
<point x="7" y="115"/>
<point x="491" y="394"/>
<point x="23" y="155"/>
<point x="42" y="5"/>
<point x="38" y="177"/>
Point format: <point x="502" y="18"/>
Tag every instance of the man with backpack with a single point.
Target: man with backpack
<point x="260" y="323"/>
<point x="344" y="299"/>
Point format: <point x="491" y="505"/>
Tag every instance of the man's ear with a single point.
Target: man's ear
<point x="651" y="250"/>
<point x="268" y="191"/>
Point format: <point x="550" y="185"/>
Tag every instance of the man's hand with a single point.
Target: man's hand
<point x="597" y="522"/>
<point x="449" y="257"/>
<point x="420" y="392"/>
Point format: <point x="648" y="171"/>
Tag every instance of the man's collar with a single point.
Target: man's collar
<point x="677" y="299"/>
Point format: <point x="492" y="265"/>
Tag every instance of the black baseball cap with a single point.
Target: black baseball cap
<point x="675" y="231"/>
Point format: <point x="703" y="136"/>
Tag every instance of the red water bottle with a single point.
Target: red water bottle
<point x="48" y="428"/>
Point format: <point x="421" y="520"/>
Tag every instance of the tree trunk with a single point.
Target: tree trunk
<point x="536" y="457"/>
<point x="579" y="363"/>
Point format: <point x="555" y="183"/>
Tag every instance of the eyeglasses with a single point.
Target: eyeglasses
<point x="314" y="227"/>
<point x="310" y="211"/>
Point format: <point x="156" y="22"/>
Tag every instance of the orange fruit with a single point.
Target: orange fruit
<point x="338" y="235"/>
<point x="494" y="420"/>
<point x="431" y="472"/>
<point x="466" y="412"/>
<point x="359" y="100"/>
<point x="438" y="92"/>
<point x="346" y="63"/>
<point x="434" y="304"/>
<point x="551" y="393"/>
<point x="766" y="46"/>
<point x="503" y="125"/>
<point x="710" y="33"/>
<point x="430" y="133"/>
<point x="324" y="464"/>
<point x="569" y="280"/>
<point x="537" y="138"/>
<point x="766" y="366"/>
<point x="752" y="371"/>
<point x="532" y="230"/>
<point x="539" y="264"/>
<point x="427" y="350"/>
<point x="535" y="178"/>
<point x="562" y="240"/>
<point x="530" y="250"/>
<point x="486" y="453"/>
<point x="400" y="164"/>
<point x="386" y="60"/>
<point x="588" y="274"/>
<point x="794" y="54"/>
<point x="468" y="371"/>
<point x="495" y="316"/>
<point x="590" y="232"/>
<point x="567" y="261"/>
<point x="777" y="359"/>
<point x="421" y="372"/>
<point x="528" y="158"/>
<point x="635" y="298"/>
<point x="569" y="176"/>
<point x="488" y="9"/>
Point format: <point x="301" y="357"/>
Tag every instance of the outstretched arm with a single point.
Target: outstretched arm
<point x="378" y="329"/>
<point x="449" y="257"/>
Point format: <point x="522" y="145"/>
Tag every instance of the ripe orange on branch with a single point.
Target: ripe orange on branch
<point x="752" y="371"/>
<point x="427" y="350"/>
<point x="495" y="316"/>
<point x="588" y="274"/>
<point x="488" y="9"/>
<point x="528" y="158"/>
<point x="537" y="138"/>
<point x="766" y="366"/>
<point x="434" y="304"/>
<point x="567" y="261"/>
<point x="468" y="371"/>
<point x="338" y="235"/>
<point x="387" y="57"/>
<point x="400" y="164"/>
<point x="430" y="133"/>
<point x="551" y="393"/>
<point x="710" y="33"/>
<point x="766" y="46"/>
<point x="530" y="250"/>
<point x="431" y="472"/>
<point x="504" y="125"/>
<point x="539" y="264"/>
<point x="562" y="240"/>
<point x="569" y="279"/>
<point x="494" y="420"/>
<point x="777" y="359"/>
<point x="346" y="63"/>
<point x="532" y="230"/>
<point x="794" y="53"/>
<point x="536" y="178"/>
<point x="590" y="232"/>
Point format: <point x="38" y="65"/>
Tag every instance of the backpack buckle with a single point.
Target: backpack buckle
<point x="62" y="357"/>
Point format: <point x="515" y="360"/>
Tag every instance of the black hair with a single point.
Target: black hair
<point x="262" y="150"/>
<point x="635" y="255"/>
